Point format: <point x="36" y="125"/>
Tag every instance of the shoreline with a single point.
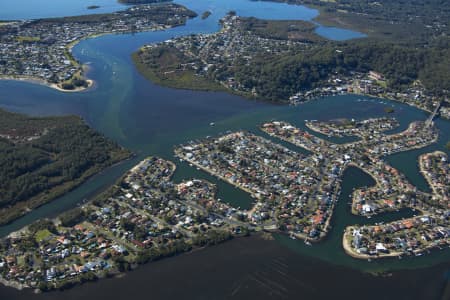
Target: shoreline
<point x="349" y="250"/>
<point x="305" y="237"/>
<point x="54" y="86"/>
<point x="68" y="48"/>
<point x="77" y="183"/>
<point x="423" y="171"/>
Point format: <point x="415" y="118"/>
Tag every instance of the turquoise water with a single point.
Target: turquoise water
<point x="151" y="120"/>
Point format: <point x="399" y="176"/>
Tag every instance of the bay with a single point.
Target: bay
<point x="151" y="120"/>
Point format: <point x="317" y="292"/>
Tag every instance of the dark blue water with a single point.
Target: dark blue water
<point x="151" y="120"/>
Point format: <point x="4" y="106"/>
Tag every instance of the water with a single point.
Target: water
<point x="251" y="268"/>
<point x="338" y="34"/>
<point x="151" y="120"/>
<point x="331" y="251"/>
<point x="35" y="9"/>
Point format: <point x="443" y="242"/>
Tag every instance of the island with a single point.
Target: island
<point x="389" y="110"/>
<point x="44" y="158"/>
<point x="40" y="50"/>
<point x="146" y="216"/>
<point x="206" y="14"/>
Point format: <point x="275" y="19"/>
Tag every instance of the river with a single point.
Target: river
<point x="151" y="120"/>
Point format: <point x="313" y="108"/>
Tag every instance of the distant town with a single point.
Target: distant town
<point x="40" y="50"/>
<point x="146" y="216"/>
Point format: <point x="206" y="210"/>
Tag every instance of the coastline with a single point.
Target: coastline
<point x="423" y="171"/>
<point x="76" y="64"/>
<point x="40" y="81"/>
<point x="302" y="236"/>
<point x="349" y="250"/>
<point x="89" y="174"/>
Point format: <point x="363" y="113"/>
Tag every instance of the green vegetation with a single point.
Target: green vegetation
<point x="72" y="217"/>
<point x="212" y="237"/>
<point x="75" y="82"/>
<point x="162" y="14"/>
<point x="448" y="145"/>
<point x="279" y="77"/>
<point x="418" y="20"/>
<point x="206" y="14"/>
<point x="28" y="39"/>
<point x="283" y="30"/>
<point x="42" y="224"/>
<point x="278" y="74"/>
<point x="389" y="110"/>
<point x="42" y="235"/>
<point x="158" y="66"/>
<point x="154" y="253"/>
<point x="43" y="158"/>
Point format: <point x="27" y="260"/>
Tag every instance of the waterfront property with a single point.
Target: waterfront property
<point x="146" y="216"/>
<point x="40" y="50"/>
<point x="236" y="59"/>
<point x="296" y="193"/>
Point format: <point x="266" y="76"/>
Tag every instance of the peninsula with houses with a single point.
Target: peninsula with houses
<point x="145" y="216"/>
<point x="40" y="50"/>
<point x="287" y="62"/>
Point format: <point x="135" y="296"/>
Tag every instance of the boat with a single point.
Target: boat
<point x="212" y="124"/>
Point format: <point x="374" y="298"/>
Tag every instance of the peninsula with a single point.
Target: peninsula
<point x="40" y="50"/>
<point x="145" y="216"/>
<point x="287" y="62"/>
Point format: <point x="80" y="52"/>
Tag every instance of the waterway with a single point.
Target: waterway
<point x="26" y="9"/>
<point x="151" y="120"/>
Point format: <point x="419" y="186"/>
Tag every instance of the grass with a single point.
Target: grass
<point x="28" y="39"/>
<point x="165" y="75"/>
<point x="382" y="83"/>
<point x="370" y="25"/>
<point x="42" y="235"/>
<point x="282" y="29"/>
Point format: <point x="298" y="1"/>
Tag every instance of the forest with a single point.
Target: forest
<point x="418" y="20"/>
<point x="42" y="158"/>
<point x="276" y="78"/>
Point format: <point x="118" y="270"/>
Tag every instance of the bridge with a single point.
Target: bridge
<point x="429" y="121"/>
